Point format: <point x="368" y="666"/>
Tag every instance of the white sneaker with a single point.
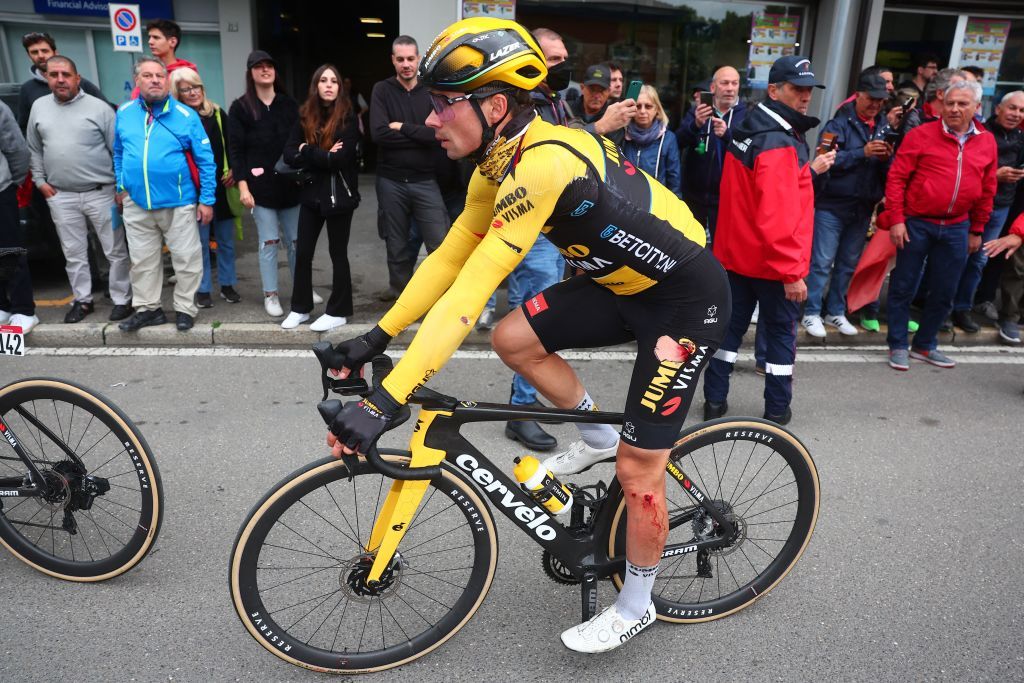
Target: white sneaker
<point x="272" y="305"/>
<point x="814" y="326"/>
<point x="606" y="631"/>
<point x="317" y="299"/>
<point x="757" y="310"/>
<point x="578" y="458"/>
<point x="840" y="322"/>
<point x="328" y="322"/>
<point x="486" y="320"/>
<point x="294" y="320"/>
<point x="25" y="322"/>
<point x="4" y="317"/>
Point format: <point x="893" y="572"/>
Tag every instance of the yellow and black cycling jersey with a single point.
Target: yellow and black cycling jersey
<point x="606" y="216"/>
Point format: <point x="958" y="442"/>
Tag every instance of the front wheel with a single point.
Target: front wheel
<point x="299" y="565"/>
<point x="763" y="480"/>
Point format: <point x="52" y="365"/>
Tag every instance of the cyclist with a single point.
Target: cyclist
<point x="647" y="277"/>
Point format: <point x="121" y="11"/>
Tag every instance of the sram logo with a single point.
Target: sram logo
<point x="534" y="517"/>
<point x="679" y="551"/>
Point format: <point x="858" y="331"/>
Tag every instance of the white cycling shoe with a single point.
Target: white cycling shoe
<point x="579" y="458"/>
<point x="606" y="631"/>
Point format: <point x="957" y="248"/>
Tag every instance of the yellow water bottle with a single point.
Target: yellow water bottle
<point x="542" y="485"/>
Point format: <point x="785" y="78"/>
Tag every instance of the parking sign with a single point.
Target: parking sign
<point x="125" y="28"/>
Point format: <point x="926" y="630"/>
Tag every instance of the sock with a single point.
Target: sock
<point x="635" y="595"/>
<point x="595" y="435"/>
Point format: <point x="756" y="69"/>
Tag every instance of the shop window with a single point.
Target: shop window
<point x="70" y="43"/>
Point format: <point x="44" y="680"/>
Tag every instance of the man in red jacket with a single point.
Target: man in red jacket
<point x="764" y="232"/>
<point x="1011" y="283"/>
<point x="938" y="198"/>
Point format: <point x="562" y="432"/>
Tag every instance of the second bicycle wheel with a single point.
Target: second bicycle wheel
<point x="764" y="480"/>
<point x="103" y="505"/>
<point x="299" y="565"/>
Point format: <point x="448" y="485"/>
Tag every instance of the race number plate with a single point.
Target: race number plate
<point x="12" y="341"/>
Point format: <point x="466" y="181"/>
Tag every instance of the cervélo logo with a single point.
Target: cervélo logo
<point x="533" y="517"/>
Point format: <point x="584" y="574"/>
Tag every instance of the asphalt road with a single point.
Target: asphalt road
<point x="914" y="572"/>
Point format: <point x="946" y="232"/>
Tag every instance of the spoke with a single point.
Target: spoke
<point x="765" y="493"/>
<point x="333" y="526"/>
<point x="84" y="432"/>
<point x="100" y="533"/>
<point x="359" y="546"/>
<point x="739" y="479"/>
<point x="766" y="487"/>
<point x="416" y="611"/>
<point x="666" y="576"/>
<point x="313" y="634"/>
<point x="423" y="506"/>
<point x="430" y="575"/>
<point x="754" y="477"/>
<point x="404" y="633"/>
<point x="296" y="550"/>
<point x="313" y="609"/>
<point x="341" y="620"/>
<point x="733" y="575"/>
<point x="298" y="578"/>
<point x="443" y="533"/>
<point x="429" y="597"/>
<point x="777" y="507"/>
<point x="323" y="597"/>
<point x="98" y="505"/>
<point x="60" y="426"/>
<point x="446" y="549"/>
<point x="328" y="554"/>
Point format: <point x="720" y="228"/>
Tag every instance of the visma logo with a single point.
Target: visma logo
<point x="608" y="232"/>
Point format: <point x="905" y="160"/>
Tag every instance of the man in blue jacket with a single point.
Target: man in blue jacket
<point x="844" y="200"/>
<point x="703" y="137"/>
<point x="154" y="138"/>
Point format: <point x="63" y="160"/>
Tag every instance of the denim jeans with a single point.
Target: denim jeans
<point x="224" y="233"/>
<point x="971" y="277"/>
<point x="778" y="317"/>
<point x="540" y="268"/>
<point x="839" y="238"/>
<point x="274" y="226"/>
<point x="945" y="247"/>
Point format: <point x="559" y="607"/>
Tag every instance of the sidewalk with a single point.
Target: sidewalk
<point x="247" y="325"/>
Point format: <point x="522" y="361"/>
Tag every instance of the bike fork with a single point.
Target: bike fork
<point x="588" y="589"/>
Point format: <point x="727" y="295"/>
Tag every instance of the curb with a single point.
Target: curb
<point x="270" y="335"/>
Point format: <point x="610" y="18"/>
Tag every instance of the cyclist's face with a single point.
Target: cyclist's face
<point x="456" y="126"/>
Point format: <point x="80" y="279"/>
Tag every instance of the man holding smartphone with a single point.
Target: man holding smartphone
<point x="703" y="137"/>
<point x="844" y="200"/>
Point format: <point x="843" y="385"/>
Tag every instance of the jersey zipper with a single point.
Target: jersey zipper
<point x="145" y="162"/>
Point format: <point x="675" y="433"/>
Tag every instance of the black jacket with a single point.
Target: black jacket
<point x="702" y="173"/>
<point x="409" y="154"/>
<point x="257" y="143"/>
<point x="855" y="181"/>
<point x="331" y="186"/>
<point x="1010" y="146"/>
<point x="221" y="209"/>
<point x="32" y="89"/>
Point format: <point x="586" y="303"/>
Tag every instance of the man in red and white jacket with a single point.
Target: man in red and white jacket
<point x="764" y="232"/>
<point x="1011" y="282"/>
<point x="938" y="197"/>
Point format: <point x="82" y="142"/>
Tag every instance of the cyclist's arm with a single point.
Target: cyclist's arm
<point x="455" y="313"/>
<point x="437" y="272"/>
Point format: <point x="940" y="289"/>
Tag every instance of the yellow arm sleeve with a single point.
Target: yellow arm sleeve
<point x="522" y="206"/>
<point x="437" y="272"/>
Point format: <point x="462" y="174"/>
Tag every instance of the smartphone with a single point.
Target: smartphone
<point x="707" y="99"/>
<point x="633" y="91"/>
<point x="891" y="138"/>
<point x="826" y="143"/>
<point x="909" y="104"/>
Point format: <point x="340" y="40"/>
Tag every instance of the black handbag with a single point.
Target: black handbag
<point x="286" y="171"/>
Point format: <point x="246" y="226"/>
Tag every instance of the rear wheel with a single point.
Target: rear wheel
<point x="102" y="509"/>
<point x="764" y="480"/>
<point x="299" y="566"/>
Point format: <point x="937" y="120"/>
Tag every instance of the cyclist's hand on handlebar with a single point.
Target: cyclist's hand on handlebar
<point x="349" y="356"/>
<point x="359" y="423"/>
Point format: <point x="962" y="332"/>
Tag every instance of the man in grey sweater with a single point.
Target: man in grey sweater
<point x="71" y="139"/>
<point x="16" y="304"/>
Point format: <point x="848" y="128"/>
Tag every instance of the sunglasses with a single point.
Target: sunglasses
<point x="443" y="104"/>
<point x="189" y="89"/>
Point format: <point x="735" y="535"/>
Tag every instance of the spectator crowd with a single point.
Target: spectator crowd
<point x="905" y="175"/>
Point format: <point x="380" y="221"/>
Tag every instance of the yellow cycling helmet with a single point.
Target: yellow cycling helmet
<point x="483" y="55"/>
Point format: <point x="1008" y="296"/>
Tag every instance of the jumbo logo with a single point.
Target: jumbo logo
<point x="608" y="232"/>
<point x="575" y="251"/>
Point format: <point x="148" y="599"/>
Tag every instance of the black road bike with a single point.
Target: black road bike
<point x="340" y="569"/>
<point x="80" y="493"/>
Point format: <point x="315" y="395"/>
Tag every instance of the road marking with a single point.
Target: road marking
<point x="977" y="355"/>
<point x="54" y="303"/>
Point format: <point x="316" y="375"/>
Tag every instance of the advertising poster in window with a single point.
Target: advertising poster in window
<point x="984" y="42"/>
<point x="496" y="9"/>
<point x="771" y="36"/>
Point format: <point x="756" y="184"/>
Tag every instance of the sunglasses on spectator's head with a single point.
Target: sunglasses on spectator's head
<point x="35" y="37"/>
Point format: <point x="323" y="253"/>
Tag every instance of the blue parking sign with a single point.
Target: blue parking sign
<point x="120" y="40"/>
<point x="133" y="41"/>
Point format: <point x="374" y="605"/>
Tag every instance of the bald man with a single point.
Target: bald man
<point x="703" y="137"/>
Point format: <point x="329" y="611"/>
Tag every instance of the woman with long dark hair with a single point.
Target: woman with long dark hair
<point x="323" y="144"/>
<point x="261" y="120"/>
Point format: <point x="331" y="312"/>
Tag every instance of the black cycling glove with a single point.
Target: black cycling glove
<point x="359" y="423"/>
<point x="354" y="353"/>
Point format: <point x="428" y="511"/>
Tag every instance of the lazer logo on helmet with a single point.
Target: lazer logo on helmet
<point x="501" y="52"/>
